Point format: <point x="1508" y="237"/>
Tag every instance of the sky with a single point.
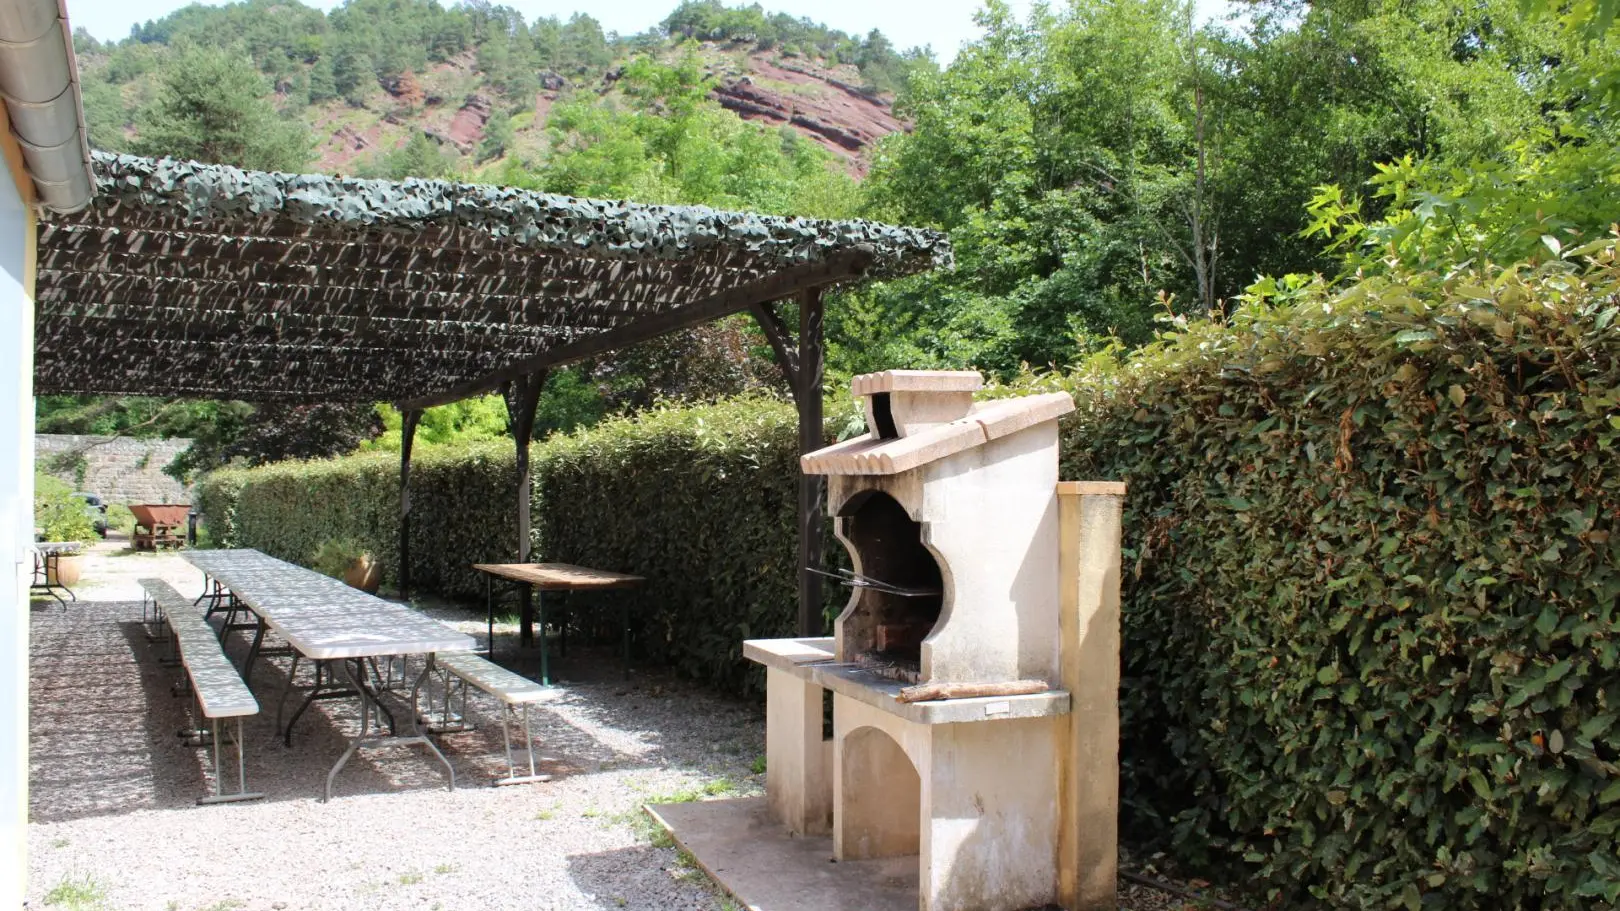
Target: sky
<point x="942" y="24"/>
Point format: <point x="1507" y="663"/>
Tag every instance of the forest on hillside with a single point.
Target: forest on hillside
<point x="1104" y="167"/>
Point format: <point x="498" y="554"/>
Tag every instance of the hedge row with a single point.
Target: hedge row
<point x="701" y="501"/>
<point x="1370" y="589"/>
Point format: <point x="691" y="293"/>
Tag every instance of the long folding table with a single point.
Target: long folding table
<point x="342" y="629"/>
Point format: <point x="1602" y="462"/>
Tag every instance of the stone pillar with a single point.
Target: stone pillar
<point x="798" y="774"/>
<point x="991" y="820"/>
<point x="1088" y="786"/>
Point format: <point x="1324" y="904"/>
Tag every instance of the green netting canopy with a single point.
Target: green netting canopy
<point x="187" y="279"/>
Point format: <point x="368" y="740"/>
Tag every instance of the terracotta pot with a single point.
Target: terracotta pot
<point x="64" y="569"/>
<point x="365" y="574"/>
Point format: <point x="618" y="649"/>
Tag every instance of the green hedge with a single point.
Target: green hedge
<point x="700" y="500"/>
<point x="1371" y="587"/>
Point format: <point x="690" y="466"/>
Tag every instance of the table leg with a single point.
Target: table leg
<point x="489" y="604"/>
<point x="365" y="727"/>
<point x="281" y="706"/>
<point x="368" y="701"/>
<point x="526" y="616"/>
<point x="624" y="624"/>
<point x="253" y="650"/>
<point x="545" y="664"/>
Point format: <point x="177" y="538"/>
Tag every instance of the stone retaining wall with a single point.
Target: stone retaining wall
<point x="118" y="469"/>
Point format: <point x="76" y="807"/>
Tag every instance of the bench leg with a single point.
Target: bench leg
<point x="449" y="721"/>
<point x="512" y="776"/>
<point x="242" y="793"/>
<point x="153" y="622"/>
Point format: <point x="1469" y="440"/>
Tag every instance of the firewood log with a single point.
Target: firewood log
<point x="929" y="692"/>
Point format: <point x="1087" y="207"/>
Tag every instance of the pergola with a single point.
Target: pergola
<point x="188" y="279"/>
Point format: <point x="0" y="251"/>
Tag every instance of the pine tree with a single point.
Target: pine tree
<point x="322" y="83"/>
<point x="211" y="107"/>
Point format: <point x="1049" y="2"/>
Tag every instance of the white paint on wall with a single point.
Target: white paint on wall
<point x="16" y="531"/>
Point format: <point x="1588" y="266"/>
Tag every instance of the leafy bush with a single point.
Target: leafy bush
<point x="60" y="515"/>
<point x="335" y="556"/>
<point x="120" y="518"/>
<point x="1371" y="586"/>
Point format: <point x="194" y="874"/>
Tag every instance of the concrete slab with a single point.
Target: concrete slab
<point x="767" y="869"/>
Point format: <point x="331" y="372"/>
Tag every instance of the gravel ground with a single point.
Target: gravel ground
<point x="113" y="789"/>
<point x="114" y="823"/>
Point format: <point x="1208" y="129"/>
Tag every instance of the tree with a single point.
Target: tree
<point x="1525" y="159"/>
<point x="322" y="81"/>
<point x="105" y="115"/>
<point x="421" y="156"/>
<point x="211" y="107"/>
<point x="275" y="432"/>
<point x="353" y="75"/>
<point x="498" y="135"/>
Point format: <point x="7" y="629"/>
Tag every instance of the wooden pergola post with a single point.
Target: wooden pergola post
<point x="407" y="436"/>
<point x="804" y="365"/>
<point x="522" y="397"/>
<point x="811" y="366"/>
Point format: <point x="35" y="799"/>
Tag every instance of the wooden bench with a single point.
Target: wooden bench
<point x="219" y="690"/>
<point x="514" y="691"/>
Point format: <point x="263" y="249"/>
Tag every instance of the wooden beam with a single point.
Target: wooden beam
<point x="787" y="357"/>
<point x="522" y="396"/>
<point x="812" y="488"/>
<point x="792" y="281"/>
<point x="407" y="437"/>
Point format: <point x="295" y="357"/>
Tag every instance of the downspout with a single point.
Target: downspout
<point x="39" y="81"/>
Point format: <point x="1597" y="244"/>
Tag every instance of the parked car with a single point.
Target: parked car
<point x="97" y="510"/>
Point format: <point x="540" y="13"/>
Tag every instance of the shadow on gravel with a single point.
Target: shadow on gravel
<point x="104" y="722"/>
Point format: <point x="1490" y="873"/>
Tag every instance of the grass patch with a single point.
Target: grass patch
<point x="410" y="879"/>
<point x="77" y="892"/>
<point x="757" y="766"/>
<point x="442" y="869"/>
<point x="640" y="822"/>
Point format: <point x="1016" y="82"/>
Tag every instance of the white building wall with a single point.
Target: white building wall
<point x="16" y="530"/>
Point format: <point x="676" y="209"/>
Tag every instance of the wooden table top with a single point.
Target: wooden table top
<point x="559" y="576"/>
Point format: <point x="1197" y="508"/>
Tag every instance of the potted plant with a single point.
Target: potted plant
<point x="61" y="518"/>
<point x="349" y="560"/>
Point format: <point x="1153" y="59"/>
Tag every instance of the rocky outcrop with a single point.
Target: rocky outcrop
<point x="842" y="117"/>
<point x="466" y="129"/>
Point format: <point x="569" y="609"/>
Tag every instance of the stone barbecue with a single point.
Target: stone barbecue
<point x="974" y="671"/>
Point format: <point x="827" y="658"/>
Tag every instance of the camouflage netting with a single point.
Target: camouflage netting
<point x="190" y="279"/>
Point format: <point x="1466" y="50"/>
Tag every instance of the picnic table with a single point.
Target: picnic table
<point x="46" y="579"/>
<point x="544" y="577"/>
<point x="342" y="629"/>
